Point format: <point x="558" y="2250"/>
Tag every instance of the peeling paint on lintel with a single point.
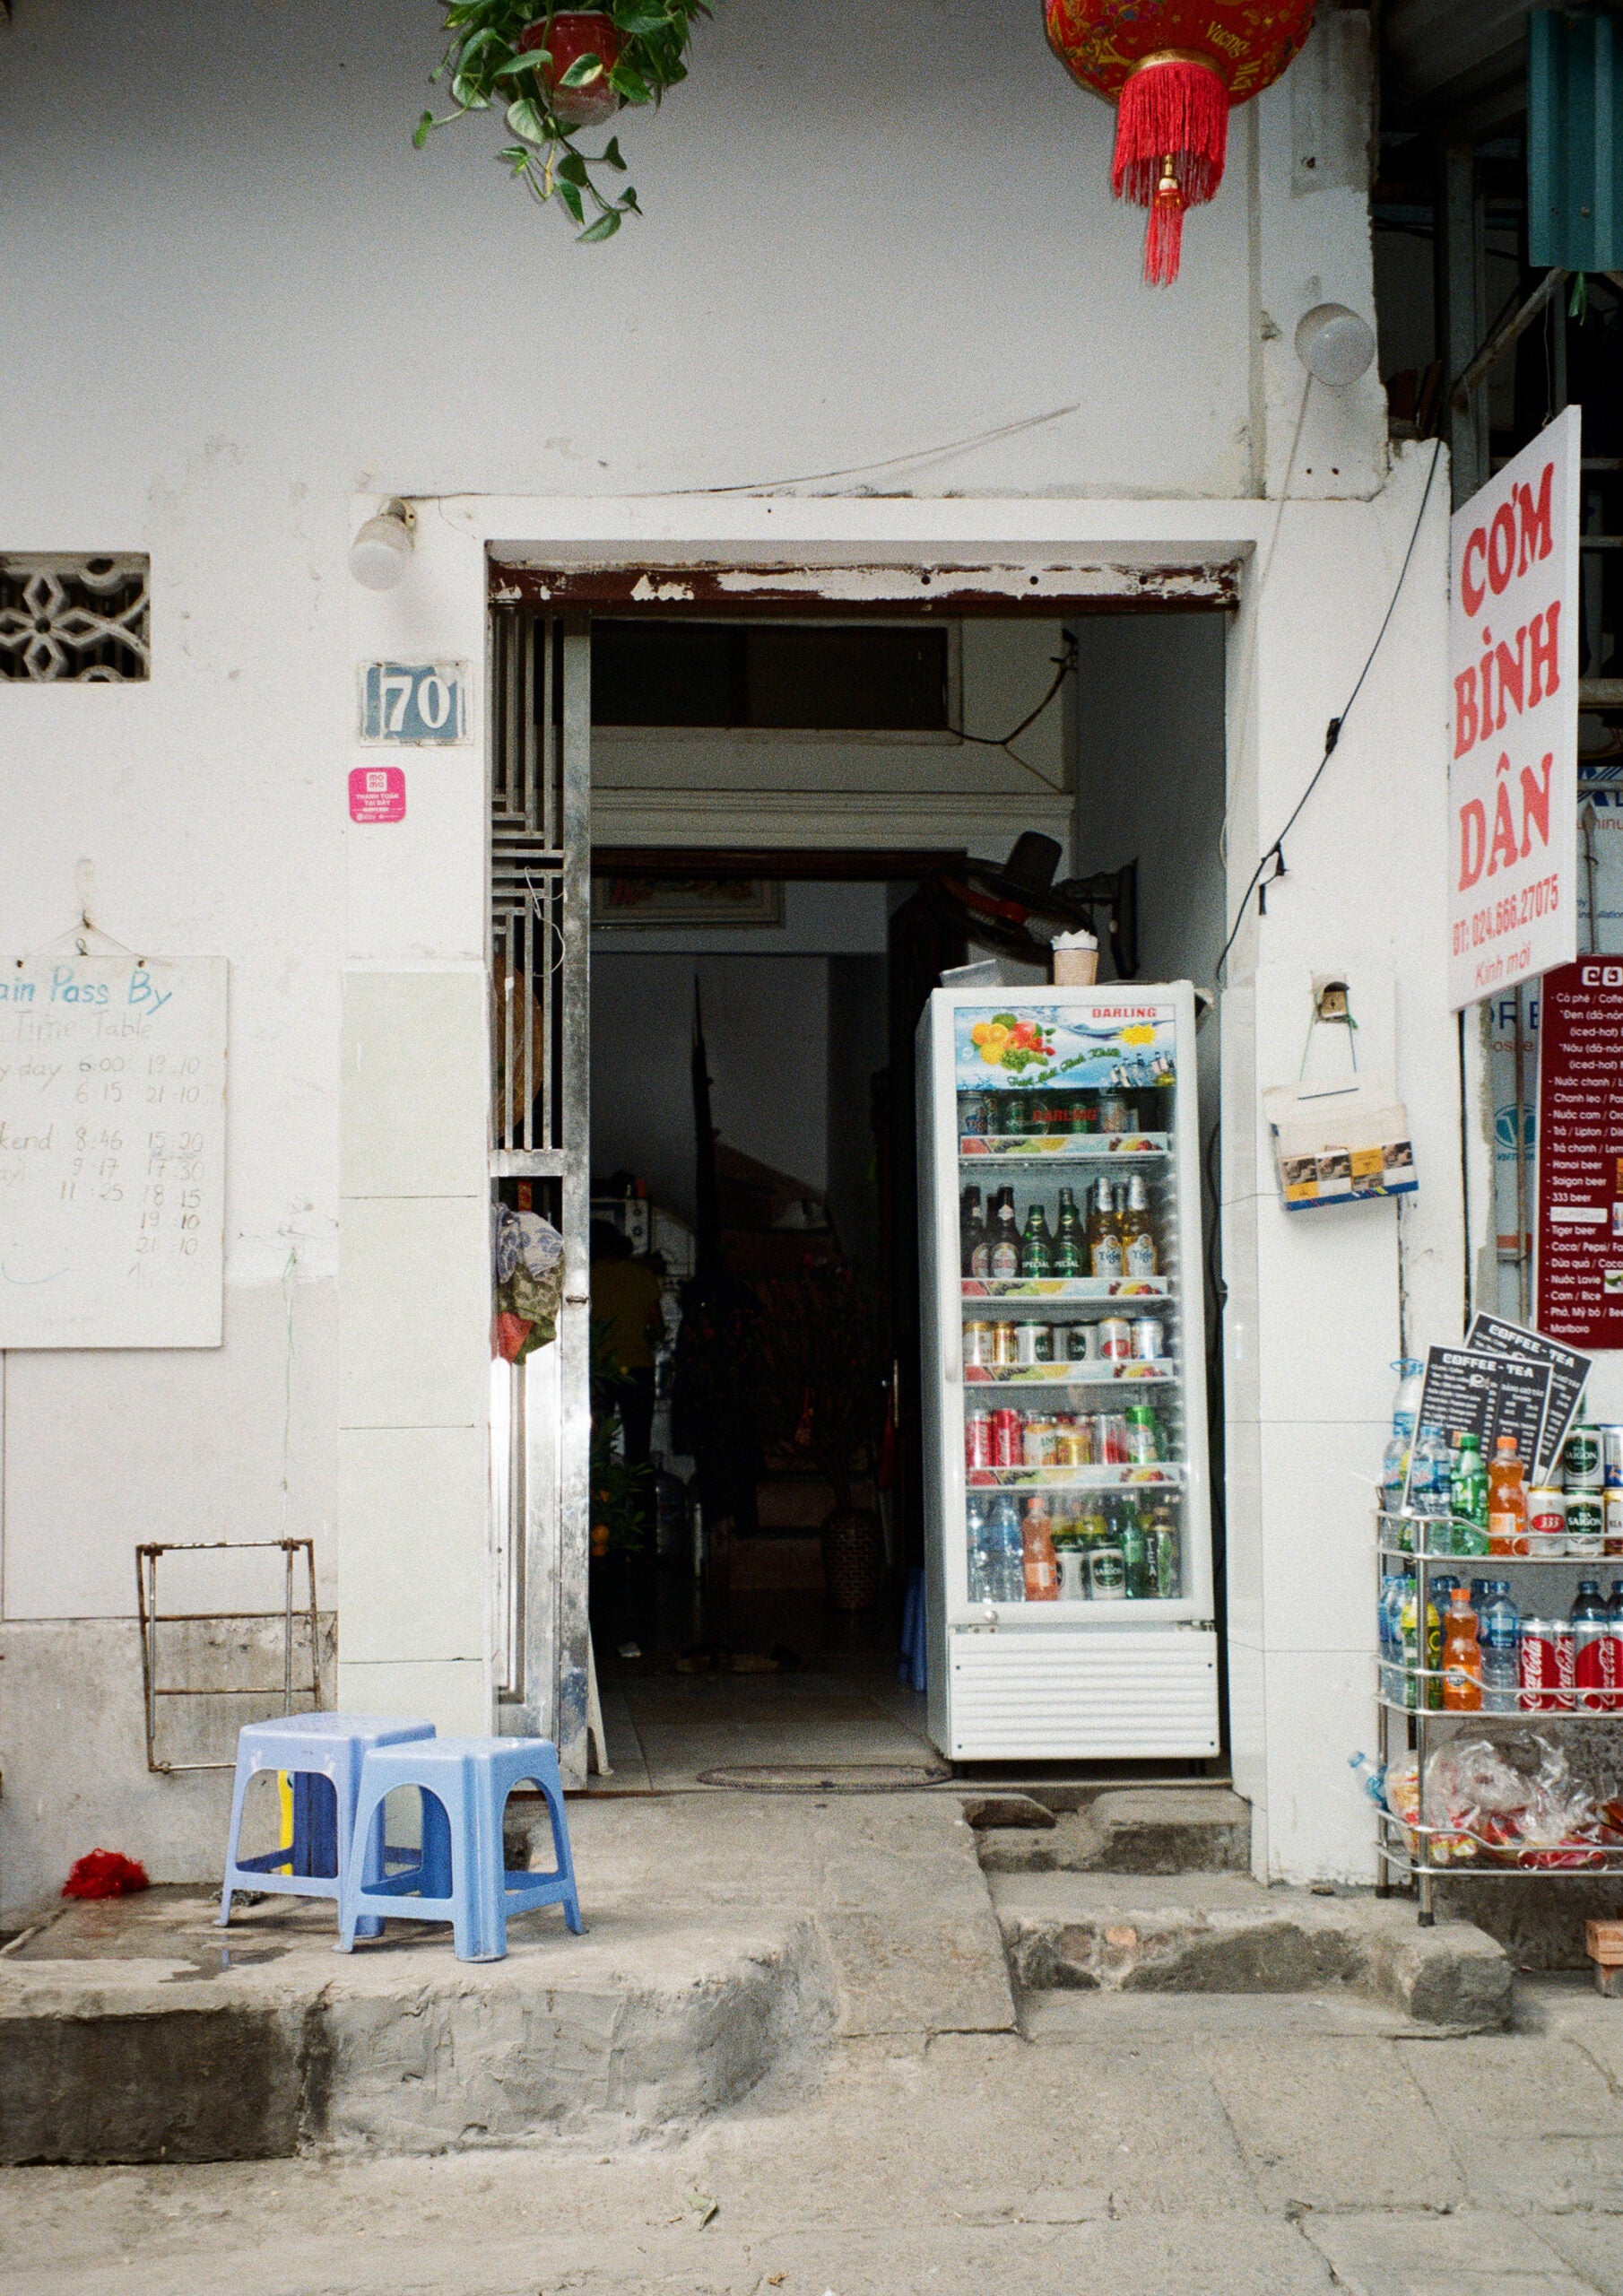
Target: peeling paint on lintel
<point x="1056" y="589"/>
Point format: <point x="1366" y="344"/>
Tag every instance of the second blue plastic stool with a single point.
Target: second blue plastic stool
<point x="463" y="1877"/>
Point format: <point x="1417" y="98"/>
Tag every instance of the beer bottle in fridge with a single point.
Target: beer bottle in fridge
<point x="1105" y="1255"/>
<point x="1037" y="1246"/>
<point x="1071" y="1245"/>
<point x="1138" y="1255"/>
<point x="1006" y="1252"/>
<point x="973" y="1242"/>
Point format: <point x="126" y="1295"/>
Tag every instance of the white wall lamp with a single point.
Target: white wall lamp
<point x="1334" y="344"/>
<point x="382" y="550"/>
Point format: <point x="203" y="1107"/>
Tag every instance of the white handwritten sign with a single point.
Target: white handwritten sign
<point x="1512" y="779"/>
<point x="112" y="1152"/>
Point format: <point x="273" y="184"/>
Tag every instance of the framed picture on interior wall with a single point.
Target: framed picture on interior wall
<point x="657" y="904"/>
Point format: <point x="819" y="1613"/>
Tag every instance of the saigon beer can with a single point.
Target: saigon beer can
<point x="979" y="1351"/>
<point x="1585" y="1522"/>
<point x="1115" y="1339"/>
<point x="977" y="1439"/>
<point x="1539" y="1665"/>
<point x="1033" y="1343"/>
<point x="1081" y="1343"/>
<point x="1581" y="1459"/>
<point x="1007" y="1442"/>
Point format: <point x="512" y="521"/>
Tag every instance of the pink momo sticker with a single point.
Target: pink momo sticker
<point x="378" y="793"/>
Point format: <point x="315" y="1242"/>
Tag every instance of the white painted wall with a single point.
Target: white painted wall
<point x="243" y="304"/>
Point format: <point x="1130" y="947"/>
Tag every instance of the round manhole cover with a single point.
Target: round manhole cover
<point x="827" y="1778"/>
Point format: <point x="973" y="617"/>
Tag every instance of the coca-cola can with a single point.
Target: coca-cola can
<point x="1149" y="1338"/>
<point x="1115" y="1339"/>
<point x="1112" y="1443"/>
<point x="1007" y="1439"/>
<point x="1539" y="1665"/>
<point x="977" y="1439"/>
<point x="1594" y="1657"/>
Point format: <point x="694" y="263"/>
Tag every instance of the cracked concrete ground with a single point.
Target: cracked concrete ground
<point x="1169" y="2144"/>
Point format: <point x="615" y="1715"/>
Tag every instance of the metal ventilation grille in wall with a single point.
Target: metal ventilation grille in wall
<point x="79" y="619"/>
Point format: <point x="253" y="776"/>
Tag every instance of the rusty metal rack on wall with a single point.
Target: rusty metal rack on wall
<point x="152" y="1618"/>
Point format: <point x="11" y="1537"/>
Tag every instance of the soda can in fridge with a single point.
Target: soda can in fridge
<point x="1538" y="1665"/>
<point x="1113" y="1439"/>
<point x="1115" y="1339"/>
<point x="1611" y="1457"/>
<point x="1033" y="1343"/>
<point x="975" y="1116"/>
<point x="978" y="1440"/>
<point x="1149" y="1339"/>
<point x="1116" y="1116"/>
<point x="1587" y="1523"/>
<point x="1143" y="1436"/>
<point x="1039" y="1438"/>
<point x="1007" y="1443"/>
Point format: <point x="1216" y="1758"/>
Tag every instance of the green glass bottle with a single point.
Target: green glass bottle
<point x="1037" y="1246"/>
<point x="1071" y="1245"/>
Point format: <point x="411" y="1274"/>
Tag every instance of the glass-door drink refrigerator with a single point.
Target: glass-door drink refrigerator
<point x="1068" y="1538"/>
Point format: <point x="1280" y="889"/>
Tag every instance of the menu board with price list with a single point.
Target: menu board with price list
<point x="1578" y="1250"/>
<point x="112" y="1150"/>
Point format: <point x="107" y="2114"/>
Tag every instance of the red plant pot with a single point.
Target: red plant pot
<point x="575" y="33"/>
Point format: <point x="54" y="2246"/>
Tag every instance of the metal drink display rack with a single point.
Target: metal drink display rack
<point x="1404" y="1848"/>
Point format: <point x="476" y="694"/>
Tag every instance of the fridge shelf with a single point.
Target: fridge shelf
<point x="1062" y="1147"/>
<point x="1520" y="1718"/>
<point x="1164" y="1475"/>
<point x="1065" y="1287"/>
<point x="1088" y="1374"/>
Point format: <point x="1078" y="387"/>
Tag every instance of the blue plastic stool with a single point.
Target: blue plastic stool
<point x="463" y="1877"/>
<point x="323" y="1753"/>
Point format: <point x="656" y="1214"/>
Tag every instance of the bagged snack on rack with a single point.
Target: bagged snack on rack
<point x="1560" y="1823"/>
<point x="1402" y="1794"/>
<point x="1475" y="1799"/>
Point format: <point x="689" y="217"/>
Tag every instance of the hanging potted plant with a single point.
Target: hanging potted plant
<point x="555" y="71"/>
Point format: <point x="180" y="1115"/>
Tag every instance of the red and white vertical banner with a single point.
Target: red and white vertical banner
<point x="1513" y="782"/>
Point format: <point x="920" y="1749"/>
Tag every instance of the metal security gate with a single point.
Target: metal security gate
<point x="540" y="879"/>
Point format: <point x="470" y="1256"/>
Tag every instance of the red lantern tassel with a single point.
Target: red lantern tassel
<point x="1171" y="141"/>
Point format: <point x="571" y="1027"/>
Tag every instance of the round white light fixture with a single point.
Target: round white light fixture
<point x="382" y="551"/>
<point x="1335" y="345"/>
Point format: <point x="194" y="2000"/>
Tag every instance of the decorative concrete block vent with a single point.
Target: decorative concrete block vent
<point x="82" y="620"/>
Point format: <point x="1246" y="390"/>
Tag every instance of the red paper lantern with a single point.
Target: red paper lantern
<point x="1174" y="67"/>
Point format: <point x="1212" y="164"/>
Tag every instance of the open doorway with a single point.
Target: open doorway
<point x="785" y="811"/>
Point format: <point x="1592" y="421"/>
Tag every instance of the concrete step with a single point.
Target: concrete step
<point x="1131" y="1829"/>
<point x="1087" y="1933"/>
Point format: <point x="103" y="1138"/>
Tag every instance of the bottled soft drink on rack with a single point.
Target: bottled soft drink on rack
<point x="1166" y="1551"/>
<point x="1389" y="1627"/>
<point x="1071" y="1242"/>
<point x="1428" y="1481"/>
<point x="1422" y="1685"/>
<point x="1468" y="1499"/>
<point x="1507" y="1500"/>
<point x="977" y="1539"/>
<point x="1405" y="1410"/>
<point x="1461" y="1658"/>
<point x="1594" y="1651"/>
<point x="1136" y="1551"/>
<point x="1498" y="1637"/>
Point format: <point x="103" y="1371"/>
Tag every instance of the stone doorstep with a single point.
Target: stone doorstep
<point x="1130" y="1829"/>
<point x="1225" y="1935"/>
<point x="140" y="2032"/>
